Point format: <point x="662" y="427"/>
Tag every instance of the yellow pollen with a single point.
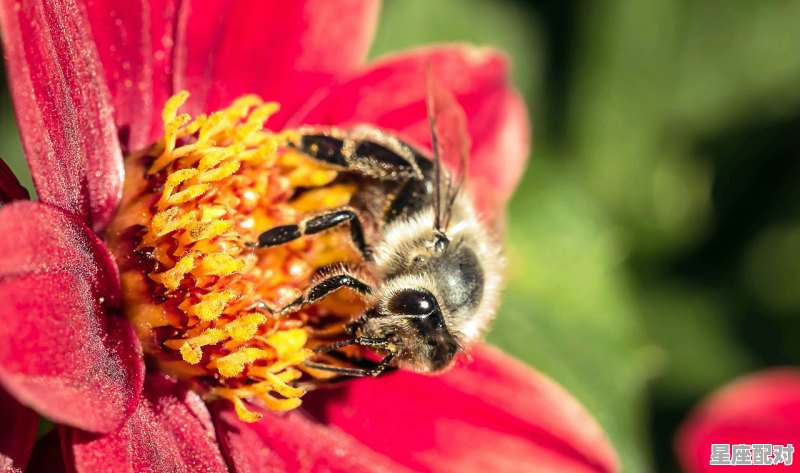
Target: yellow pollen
<point x="212" y="305"/>
<point x="242" y="411"/>
<point x="195" y="289"/>
<point x="188" y="194"/>
<point x="245" y="327"/>
<point x="191" y="348"/>
<point x="233" y="364"/>
<point x="288" y="342"/>
<point x="220" y="264"/>
<point x="171" y="220"/>
<point x="171" y="279"/>
<point x="221" y="172"/>
<point x="205" y="230"/>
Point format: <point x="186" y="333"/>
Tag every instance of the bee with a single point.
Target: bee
<point x="431" y="273"/>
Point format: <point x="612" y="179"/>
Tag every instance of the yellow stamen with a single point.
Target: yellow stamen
<point x="209" y="187"/>
<point x="288" y="342"/>
<point x="213" y="304"/>
<point x="191" y="348"/>
<point x="245" y="327"/>
<point x="280" y="405"/>
<point x="188" y="194"/>
<point x="170" y="220"/>
<point x="243" y="412"/>
<point x="171" y="279"/>
<point x="291" y="360"/>
<point x="233" y="364"/>
<point x="280" y="387"/>
<point x="220" y="264"/>
<point x="205" y="230"/>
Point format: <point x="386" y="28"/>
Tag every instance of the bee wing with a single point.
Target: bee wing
<point x="451" y="145"/>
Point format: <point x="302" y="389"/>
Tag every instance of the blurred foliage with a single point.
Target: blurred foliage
<point x="10" y="146"/>
<point x="655" y="240"/>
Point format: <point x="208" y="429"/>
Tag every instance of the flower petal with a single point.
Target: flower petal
<point x="391" y="94"/>
<point x="47" y="456"/>
<point x="763" y="408"/>
<point x="10" y="188"/>
<point x="493" y="415"/>
<point x="60" y="354"/>
<point x="170" y="431"/>
<point x="283" y="51"/>
<point x="135" y="42"/>
<point x="292" y="442"/>
<point x="18" y="433"/>
<point x="63" y="107"/>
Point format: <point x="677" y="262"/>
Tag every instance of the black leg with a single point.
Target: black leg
<point x="278" y="236"/>
<point x="347" y="371"/>
<point x="325" y="287"/>
<point x="382" y="365"/>
<point x="324" y="148"/>
<point x="287" y="233"/>
<point x="337" y="369"/>
<point x="338" y="217"/>
<point x="362" y="150"/>
<point x="361" y="341"/>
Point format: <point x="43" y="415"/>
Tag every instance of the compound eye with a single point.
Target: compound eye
<point x="413" y="302"/>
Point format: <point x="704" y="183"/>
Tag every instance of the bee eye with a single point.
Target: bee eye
<point x="413" y="302"/>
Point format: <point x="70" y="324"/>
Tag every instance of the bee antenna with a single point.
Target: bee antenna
<point x="452" y="198"/>
<point x="437" y="161"/>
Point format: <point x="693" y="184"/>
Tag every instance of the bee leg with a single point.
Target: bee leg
<point x="362" y="341"/>
<point x="351" y="327"/>
<point x="382" y="365"/>
<point x="285" y="233"/>
<point x="359" y="372"/>
<point x="347" y="371"/>
<point x="363" y="150"/>
<point x="324" y="287"/>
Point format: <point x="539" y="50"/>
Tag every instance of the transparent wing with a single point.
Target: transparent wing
<point x="451" y="145"/>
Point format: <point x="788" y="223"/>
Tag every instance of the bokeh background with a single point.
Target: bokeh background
<point x="655" y="239"/>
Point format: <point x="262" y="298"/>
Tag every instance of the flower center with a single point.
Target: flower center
<point x="200" y="298"/>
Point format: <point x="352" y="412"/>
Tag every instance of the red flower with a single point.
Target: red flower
<point x="760" y="409"/>
<point x="88" y="81"/>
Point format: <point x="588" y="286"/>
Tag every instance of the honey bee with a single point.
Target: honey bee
<point x="433" y="272"/>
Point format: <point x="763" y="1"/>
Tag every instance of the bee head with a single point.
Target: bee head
<point x="424" y="304"/>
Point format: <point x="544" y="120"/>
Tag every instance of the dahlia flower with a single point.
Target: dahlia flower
<point x="758" y="414"/>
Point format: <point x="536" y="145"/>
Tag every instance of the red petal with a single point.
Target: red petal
<point x="493" y="415"/>
<point x="135" y="41"/>
<point x="763" y="408"/>
<point x="60" y="354"/>
<point x="47" y="456"/>
<point x="10" y="188"/>
<point x="170" y="431"/>
<point x="292" y="442"/>
<point x="18" y="433"/>
<point x="391" y="94"/>
<point x="283" y="51"/>
<point x="63" y="107"/>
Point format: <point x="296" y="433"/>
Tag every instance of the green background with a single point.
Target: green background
<point x="655" y="238"/>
